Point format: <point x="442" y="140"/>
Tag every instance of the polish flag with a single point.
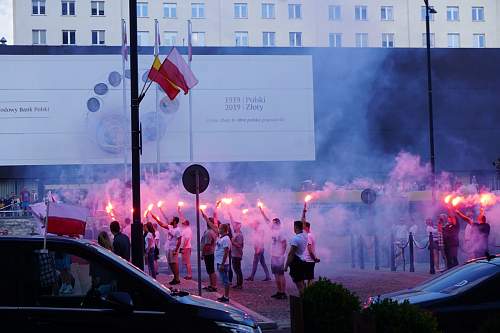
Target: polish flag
<point x="64" y="219"/>
<point x="178" y="71"/>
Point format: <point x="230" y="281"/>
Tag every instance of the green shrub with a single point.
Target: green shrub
<point x="329" y="305"/>
<point x="393" y="317"/>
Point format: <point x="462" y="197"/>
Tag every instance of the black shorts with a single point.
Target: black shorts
<point x="309" y="270"/>
<point x="297" y="270"/>
<point x="209" y="263"/>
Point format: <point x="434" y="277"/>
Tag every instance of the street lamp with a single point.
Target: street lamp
<point x="430" y="10"/>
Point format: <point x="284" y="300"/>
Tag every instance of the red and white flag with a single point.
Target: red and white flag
<point x="63" y="219"/>
<point x="178" y="71"/>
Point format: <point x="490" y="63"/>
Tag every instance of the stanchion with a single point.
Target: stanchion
<point x="376" y="252"/>
<point x="361" y="253"/>
<point x="432" y="269"/>
<point x="412" y="255"/>
<point x="353" y="255"/>
<point x="392" y="254"/>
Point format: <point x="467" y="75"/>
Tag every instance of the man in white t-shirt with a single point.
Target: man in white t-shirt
<point x="298" y="245"/>
<point x="174" y="238"/>
<point x="310" y="258"/>
<point x="222" y="250"/>
<point x="187" y="235"/>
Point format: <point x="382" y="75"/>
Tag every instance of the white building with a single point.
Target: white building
<point x="282" y="23"/>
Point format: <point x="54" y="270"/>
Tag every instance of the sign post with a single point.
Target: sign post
<point x="195" y="180"/>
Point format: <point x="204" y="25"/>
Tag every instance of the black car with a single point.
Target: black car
<point x="78" y="286"/>
<point x="462" y="298"/>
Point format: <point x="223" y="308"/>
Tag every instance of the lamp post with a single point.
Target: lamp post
<point x="430" y="10"/>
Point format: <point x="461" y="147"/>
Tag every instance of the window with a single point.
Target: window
<point x="388" y="40"/>
<point x="452" y="13"/>
<point x="38" y="7"/>
<point x="477" y="14"/>
<point x="142" y="9"/>
<point x="387" y="13"/>
<point x="198" y="10"/>
<point x="170" y="10"/>
<point x="361" y="13"/>
<point x="198" y="38"/>
<point x="268" y="11"/>
<point x="240" y="10"/>
<point x="241" y="38"/>
<point x="268" y="39"/>
<point x="424" y="40"/>
<point x="39" y="37"/>
<point x="170" y="38"/>
<point x="69" y="37"/>
<point x="423" y="13"/>
<point x="479" y="40"/>
<point x="334" y="39"/>
<point x="295" y="39"/>
<point x="362" y="39"/>
<point x="454" y="40"/>
<point x="97" y="8"/>
<point x="334" y="13"/>
<point x="143" y="38"/>
<point x="294" y="11"/>
<point x="98" y="37"/>
<point x="68" y="8"/>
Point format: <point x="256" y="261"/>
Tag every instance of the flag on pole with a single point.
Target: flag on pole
<point x="124" y="41"/>
<point x="178" y="71"/>
<point x="157" y="74"/>
<point x="190" y="41"/>
<point x="63" y="219"/>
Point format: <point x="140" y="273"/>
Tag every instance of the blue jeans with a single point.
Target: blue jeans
<point x="151" y="263"/>
<point x="262" y="259"/>
<point x="224" y="275"/>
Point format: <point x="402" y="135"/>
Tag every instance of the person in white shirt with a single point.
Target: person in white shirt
<point x="298" y="245"/>
<point x="149" y="246"/>
<point x="278" y="253"/>
<point x="187" y="235"/>
<point x="310" y="258"/>
<point x="222" y="250"/>
<point x="174" y="238"/>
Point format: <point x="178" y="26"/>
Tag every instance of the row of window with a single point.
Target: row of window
<point x="68" y="8"/>
<point x="170" y="38"/>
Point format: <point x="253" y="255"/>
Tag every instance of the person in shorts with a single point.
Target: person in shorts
<point x="278" y="253"/>
<point x="310" y="258"/>
<point x="222" y="250"/>
<point x="207" y="250"/>
<point x="298" y="245"/>
<point x="174" y="238"/>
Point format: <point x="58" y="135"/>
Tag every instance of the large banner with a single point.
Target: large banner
<point x="72" y="109"/>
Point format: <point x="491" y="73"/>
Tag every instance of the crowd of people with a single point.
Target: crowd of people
<point x="222" y="248"/>
<point x="16" y="205"/>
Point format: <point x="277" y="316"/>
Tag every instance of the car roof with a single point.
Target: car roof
<point x="50" y="238"/>
<point x="494" y="259"/>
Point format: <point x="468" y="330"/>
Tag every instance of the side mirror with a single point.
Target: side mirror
<point x="120" y="301"/>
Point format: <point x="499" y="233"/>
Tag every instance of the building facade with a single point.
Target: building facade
<point x="262" y="23"/>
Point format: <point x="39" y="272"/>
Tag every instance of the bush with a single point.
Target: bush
<point x="393" y="317"/>
<point x="329" y="305"/>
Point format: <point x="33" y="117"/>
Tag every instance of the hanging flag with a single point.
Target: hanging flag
<point x="158" y="74"/>
<point x="178" y="71"/>
<point x="124" y="41"/>
<point x="63" y="219"/>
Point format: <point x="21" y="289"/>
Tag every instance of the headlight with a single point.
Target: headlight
<point x="237" y="328"/>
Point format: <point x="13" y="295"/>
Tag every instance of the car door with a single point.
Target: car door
<point x="9" y="313"/>
<point x="64" y="290"/>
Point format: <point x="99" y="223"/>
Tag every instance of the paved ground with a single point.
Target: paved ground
<point x="256" y="295"/>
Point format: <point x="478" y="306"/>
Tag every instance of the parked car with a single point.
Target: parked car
<point x="76" y="285"/>
<point x="461" y="298"/>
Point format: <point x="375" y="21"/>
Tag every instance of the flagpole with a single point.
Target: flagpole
<point x="157" y="51"/>
<point x="124" y="96"/>
<point x="190" y="99"/>
<point x="47" y="203"/>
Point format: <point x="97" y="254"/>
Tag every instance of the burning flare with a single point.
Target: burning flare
<point x="260" y="204"/>
<point x="456" y="201"/>
<point x="203" y="207"/>
<point x="245" y="211"/>
<point x="448" y="198"/>
<point x="180" y="204"/>
<point x="150" y="207"/>
<point x="308" y="198"/>
<point x="159" y="204"/>
<point x="487" y="199"/>
<point x="227" y="201"/>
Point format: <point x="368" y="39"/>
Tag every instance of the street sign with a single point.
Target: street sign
<point x="368" y="196"/>
<point x="189" y="178"/>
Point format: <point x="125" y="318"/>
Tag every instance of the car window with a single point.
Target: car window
<point x="460" y="278"/>
<point x="8" y="286"/>
<point x="75" y="278"/>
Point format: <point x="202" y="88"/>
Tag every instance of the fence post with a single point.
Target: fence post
<point x="353" y="255"/>
<point x="376" y="252"/>
<point x="432" y="268"/>
<point x="361" y="253"/>
<point x="392" y="254"/>
<point x="412" y="255"/>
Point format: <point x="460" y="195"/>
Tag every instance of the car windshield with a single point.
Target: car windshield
<point x="129" y="266"/>
<point x="460" y="278"/>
